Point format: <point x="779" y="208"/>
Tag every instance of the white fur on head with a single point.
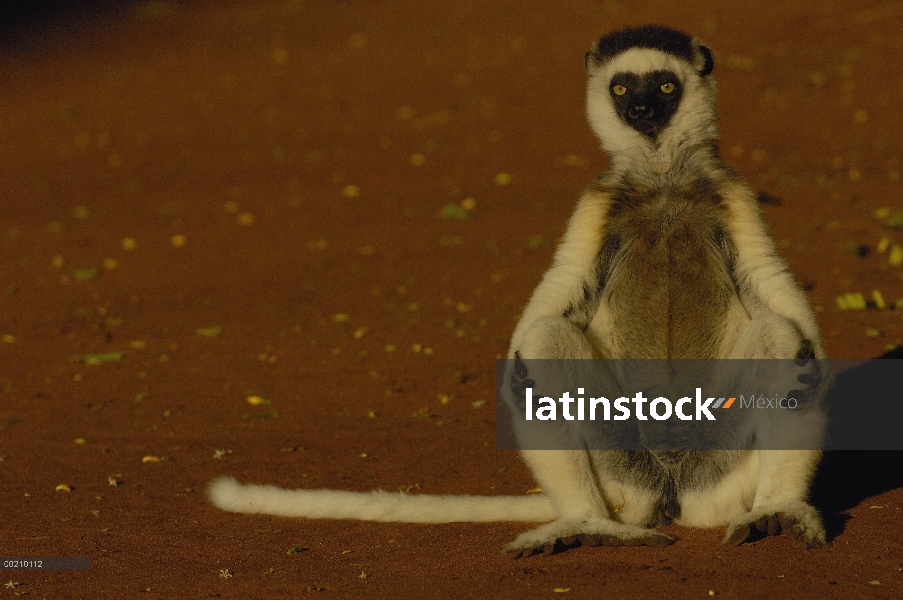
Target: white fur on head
<point x="693" y="123"/>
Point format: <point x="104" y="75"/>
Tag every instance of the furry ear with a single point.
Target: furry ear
<point x="708" y="64"/>
<point x="589" y="60"/>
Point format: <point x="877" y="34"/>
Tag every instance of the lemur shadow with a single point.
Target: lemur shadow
<point x="847" y="477"/>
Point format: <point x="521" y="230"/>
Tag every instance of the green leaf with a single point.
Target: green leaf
<point x="896" y="220"/>
<point x="537" y="241"/>
<point x="85" y="274"/>
<point x="105" y="357"/>
<point x="453" y="211"/>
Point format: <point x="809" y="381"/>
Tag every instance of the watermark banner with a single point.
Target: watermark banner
<point x="677" y="405"/>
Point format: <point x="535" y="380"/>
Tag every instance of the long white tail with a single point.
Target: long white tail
<point x="229" y="494"/>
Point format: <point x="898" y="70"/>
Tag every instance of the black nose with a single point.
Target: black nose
<point x="640" y="111"/>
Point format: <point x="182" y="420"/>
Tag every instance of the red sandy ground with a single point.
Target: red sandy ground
<point x="239" y="125"/>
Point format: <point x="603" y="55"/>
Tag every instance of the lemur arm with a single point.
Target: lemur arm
<point x="570" y="283"/>
<point x="764" y="282"/>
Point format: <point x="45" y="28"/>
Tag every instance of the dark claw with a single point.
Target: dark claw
<point x="519" y="367"/>
<point x="660" y="541"/>
<point x="528" y="552"/>
<point x="738" y="535"/>
<point x="570" y="541"/>
<point x="789" y="525"/>
<point x="520" y="389"/>
<point x="805" y="353"/>
<point x="590" y="539"/>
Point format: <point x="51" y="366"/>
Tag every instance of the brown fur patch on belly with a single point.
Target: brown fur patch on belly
<point x="670" y="288"/>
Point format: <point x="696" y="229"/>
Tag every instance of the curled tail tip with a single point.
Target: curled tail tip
<point x="221" y="491"/>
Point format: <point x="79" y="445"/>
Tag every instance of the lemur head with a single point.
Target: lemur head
<point x="649" y="90"/>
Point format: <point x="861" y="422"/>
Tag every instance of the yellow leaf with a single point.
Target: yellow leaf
<point x="879" y="299"/>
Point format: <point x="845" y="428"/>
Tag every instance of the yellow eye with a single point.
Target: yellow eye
<point x="619" y="90"/>
<point x="668" y="87"/>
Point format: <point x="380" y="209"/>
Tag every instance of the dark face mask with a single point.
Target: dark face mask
<point x="646" y="102"/>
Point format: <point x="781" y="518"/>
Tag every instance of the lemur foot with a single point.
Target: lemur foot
<point x="797" y="519"/>
<point x="563" y="534"/>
